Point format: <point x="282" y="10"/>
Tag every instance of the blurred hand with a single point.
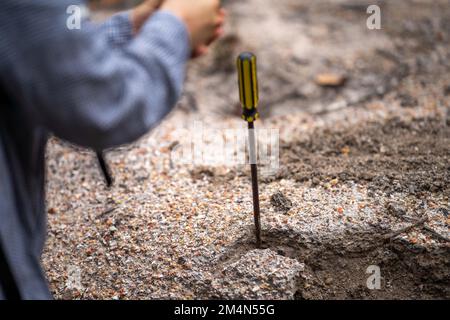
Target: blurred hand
<point x="203" y="18"/>
<point x="142" y="12"/>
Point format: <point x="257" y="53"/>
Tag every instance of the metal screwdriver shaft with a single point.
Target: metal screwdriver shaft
<point x="105" y="168"/>
<point x="254" y="170"/>
<point x="248" y="93"/>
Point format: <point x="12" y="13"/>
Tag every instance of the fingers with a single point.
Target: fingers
<point x="153" y="4"/>
<point x="216" y="30"/>
<point x="142" y="12"/>
<point x="201" y="50"/>
<point x="218" y="4"/>
<point x="220" y="19"/>
<point x="219" y="32"/>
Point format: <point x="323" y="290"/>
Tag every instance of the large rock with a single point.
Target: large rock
<point x="259" y="274"/>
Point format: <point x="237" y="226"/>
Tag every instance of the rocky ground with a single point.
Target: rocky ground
<point x="363" y="175"/>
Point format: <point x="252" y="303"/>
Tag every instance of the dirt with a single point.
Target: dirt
<point x="335" y="270"/>
<point x="280" y="202"/>
<point x="399" y="155"/>
<point x="395" y="156"/>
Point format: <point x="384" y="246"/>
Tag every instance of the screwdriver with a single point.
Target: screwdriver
<point x="105" y="168"/>
<point x="248" y="94"/>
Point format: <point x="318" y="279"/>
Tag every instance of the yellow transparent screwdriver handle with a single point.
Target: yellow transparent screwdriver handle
<point x="248" y="86"/>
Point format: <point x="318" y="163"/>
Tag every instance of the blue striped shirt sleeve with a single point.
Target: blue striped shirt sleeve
<point x="118" y="29"/>
<point x="89" y="87"/>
